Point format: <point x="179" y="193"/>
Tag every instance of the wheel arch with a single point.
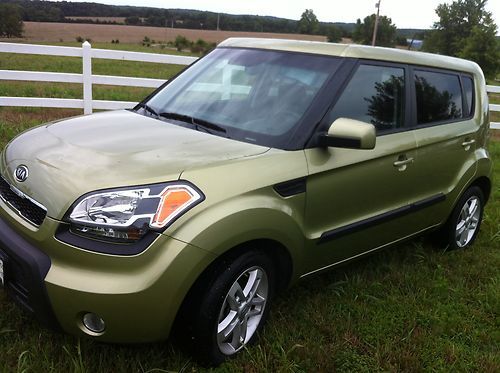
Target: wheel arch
<point x="277" y="252"/>
<point x="484" y="183"/>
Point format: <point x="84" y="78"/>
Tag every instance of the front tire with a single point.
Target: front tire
<point x="228" y="307"/>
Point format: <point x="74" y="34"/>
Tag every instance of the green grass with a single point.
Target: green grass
<point x="11" y="61"/>
<point x="494" y="99"/>
<point x="121" y="46"/>
<point x="67" y="90"/>
<point x="409" y="308"/>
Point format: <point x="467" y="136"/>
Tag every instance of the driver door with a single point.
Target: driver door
<point x="357" y="200"/>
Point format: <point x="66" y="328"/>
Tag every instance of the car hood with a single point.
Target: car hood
<point x="69" y="158"/>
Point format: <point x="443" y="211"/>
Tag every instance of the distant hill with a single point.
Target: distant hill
<point x="64" y="11"/>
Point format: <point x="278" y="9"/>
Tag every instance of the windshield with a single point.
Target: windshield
<point x="246" y="94"/>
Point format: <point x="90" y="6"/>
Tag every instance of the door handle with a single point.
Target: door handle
<point x="467" y="143"/>
<point x="401" y="163"/>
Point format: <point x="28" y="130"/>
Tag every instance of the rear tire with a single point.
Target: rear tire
<point x="227" y="308"/>
<point x="463" y="225"/>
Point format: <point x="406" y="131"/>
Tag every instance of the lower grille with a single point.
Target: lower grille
<point x="25" y="268"/>
<point x="18" y="282"/>
<point x="28" y="208"/>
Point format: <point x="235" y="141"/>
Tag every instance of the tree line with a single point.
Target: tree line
<point x="51" y="11"/>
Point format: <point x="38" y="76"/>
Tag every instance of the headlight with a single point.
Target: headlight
<point x="125" y="215"/>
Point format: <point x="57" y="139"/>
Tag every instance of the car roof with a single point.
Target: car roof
<point x="356" y="51"/>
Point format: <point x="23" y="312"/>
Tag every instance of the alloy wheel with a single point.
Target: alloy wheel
<point x="467" y="222"/>
<point x="242" y="310"/>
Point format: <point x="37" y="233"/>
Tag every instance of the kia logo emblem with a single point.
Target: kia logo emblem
<point x="21" y="173"/>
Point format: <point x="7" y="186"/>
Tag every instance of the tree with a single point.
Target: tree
<point x="308" y="23"/>
<point x="386" y="34"/>
<point x="334" y="34"/>
<point x="465" y="29"/>
<point x="482" y="47"/>
<point x="11" y="23"/>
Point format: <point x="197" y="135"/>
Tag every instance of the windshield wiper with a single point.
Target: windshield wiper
<point x="148" y="109"/>
<point x="197" y="122"/>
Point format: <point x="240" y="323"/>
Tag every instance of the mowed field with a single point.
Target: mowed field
<point x="411" y="308"/>
<point x="47" y="32"/>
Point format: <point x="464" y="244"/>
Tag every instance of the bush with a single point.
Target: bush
<point x="81" y="40"/>
<point x="133" y="20"/>
<point x="334" y="34"/>
<point x="201" y="46"/>
<point x="146" y="41"/>
<point x="182" y="42"/>
<point x="401" y="40"/>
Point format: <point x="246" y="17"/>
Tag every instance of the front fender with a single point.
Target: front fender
<point x="255" y="216"/>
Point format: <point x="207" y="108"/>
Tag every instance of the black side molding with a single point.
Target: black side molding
<point x="291" y="187"/>
<point x="379" y="219"/>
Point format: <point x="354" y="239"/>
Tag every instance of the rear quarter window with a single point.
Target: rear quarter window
<point x="439" y="97"/>
<point x="469" y="95"/>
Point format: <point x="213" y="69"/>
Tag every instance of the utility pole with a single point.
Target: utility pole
<point x="374" y="40"/>
<point x="218" y="17"/>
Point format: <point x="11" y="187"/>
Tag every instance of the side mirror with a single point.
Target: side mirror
<point x="349" y="133"/>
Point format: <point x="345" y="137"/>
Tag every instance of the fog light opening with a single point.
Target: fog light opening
<point x="93" y="323"/>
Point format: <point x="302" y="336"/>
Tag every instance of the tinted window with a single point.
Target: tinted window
<point x="439" y="97"/>
<point x="469" y="94"/>
<point x="374" y="95"/>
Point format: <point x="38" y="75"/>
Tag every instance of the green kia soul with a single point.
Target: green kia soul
<point x="262" y="163"/>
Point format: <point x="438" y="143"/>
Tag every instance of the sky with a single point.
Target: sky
<point x="404" y="13"/>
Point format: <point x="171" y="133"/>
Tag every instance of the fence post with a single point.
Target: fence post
<point x="87" y="77"/>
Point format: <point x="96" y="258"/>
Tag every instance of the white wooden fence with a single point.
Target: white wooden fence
<point x="86" y="52"/>
<point x="494" y="107"/>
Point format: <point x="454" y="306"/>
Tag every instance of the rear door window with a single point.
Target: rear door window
<point x="439" y="97"/>
<point x="375" y="94"/>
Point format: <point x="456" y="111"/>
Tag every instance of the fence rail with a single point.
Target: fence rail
<point x="87" y="79"/>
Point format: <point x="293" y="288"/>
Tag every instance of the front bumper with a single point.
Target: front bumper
<point x="137" y="296"/>
<point x="25" y="268"/>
